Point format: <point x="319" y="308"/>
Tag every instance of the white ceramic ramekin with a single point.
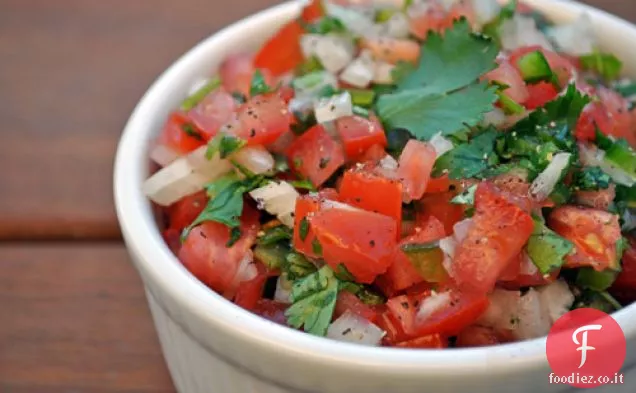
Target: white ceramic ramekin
<point x="211" y="345"/>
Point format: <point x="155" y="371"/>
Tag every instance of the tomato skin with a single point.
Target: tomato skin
<point x="529" y="280"/>
<point x="362" y="241"/>
<point x="365" y="189"/>
<point x="393" y="328"/>
<point x="599" y="199"/>
<point x="347" y="301"/>
<point x="172" y="237"/>
<point x="236" y="73"/>
<point x="205" y="254"/>
<point x="438" y="184"/>
<point x="250" y="292"/>
<point x="594" y="234"/>
<point x="617" y="108"/>
<point x="183" y="212"/>
<point x="271" y="310"/>
<point x="507" y="74"/>
<point x="500" y="230"/>
<point x="262" y="119"/>
<point x="358" y="134"/>
<point x="415" y="167"/>
<point x="312" y="11"/>
<point x="307" y="205"/>
<point x="481" y="336"/>
<point x="282" y="52"/>
<point x="431" y="341"/>
<point x="216" y="109"/>
<point x="315" y="155"/>
<point x="373" y="154"/>
<point x="425" y="19"/>
<point x="438" y="205"/>
<point x="627" y="277"/>
<point x="540" y="94"/>
<point x="174" y="137"/>
<point x="392" y="50"/>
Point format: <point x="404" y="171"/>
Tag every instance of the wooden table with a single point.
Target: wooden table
<point x="73" y="317"/>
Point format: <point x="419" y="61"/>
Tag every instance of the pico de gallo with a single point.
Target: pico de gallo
<point x="408" y="173"/>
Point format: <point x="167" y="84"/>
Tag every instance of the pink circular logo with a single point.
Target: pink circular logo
<point x="586" y="348"/>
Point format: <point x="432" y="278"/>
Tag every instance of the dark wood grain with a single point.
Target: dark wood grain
<point x="73" y="318"/>
<point x="71" y="73"/>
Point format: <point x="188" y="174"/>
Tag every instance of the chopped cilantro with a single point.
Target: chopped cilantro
<point x="200" y="94"/>
<point x="272" y="255"/>
<point x="599" y="300"/>
<point x="343" y="274"/>
<point x="258" y="85"/>
<point x="314" y="300"/>
<point x="316" y="247"/>
<point x="606" y="65"/>
<point x="224" y="145"/>
<point x="467" y="197"/>
<point x="235" y="235"/>
<point x="469" y="159"/>
<point x="592" y="179"/>
<point x="546" y="248"/>
<point x="626" y="88"/>
<point x="297" y="266"/>
<point x="303" y="228"/>
<point x="326" y="25"/>
<point x="427" y="99"/>
<point x="588" y="278"/>
<point x="274" y="235"/>
<point x="363" y="292"/>
<point x="309" y="66"/>
<point x="304" y="184"/>
<point x="510" y="106"/>
<point x="191" y="130"/>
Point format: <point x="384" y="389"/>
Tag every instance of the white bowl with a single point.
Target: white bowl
<point x="211" y="345"/>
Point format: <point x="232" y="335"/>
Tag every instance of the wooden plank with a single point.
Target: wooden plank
<point x="74" y="319"/>
<point x="71" y="73"/>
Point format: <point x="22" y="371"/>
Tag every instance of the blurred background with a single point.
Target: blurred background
<point x="73" y="316"/>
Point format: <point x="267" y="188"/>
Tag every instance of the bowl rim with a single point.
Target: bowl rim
<point x="143" y="239"/>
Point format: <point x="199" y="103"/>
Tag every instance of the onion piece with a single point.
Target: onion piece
<point x="461" y="228"/>
<point x="184" y="177"/>
<point x="522" y="31"/>
<point x="278" y="199"/>
<point x="333" y="51"/>
<point x="313" y="83"/>
<point x="283" y="290"/>
<point x="334" y="107"/>
<point x="495" y="117"/>
<point x="352" y="328"/>
<point x="441" y="144"/>
<point x="544" y="184"/>
<point x="396" y="27"/>
<point x="486" y="10"/>
<point x="502" y="310"/>
<point x="592" y="156"/>
<point x="359" y="72"/>
<point x="163" y="155"/>
<point x="358" y="20"/>
<point x="255" y="159"/>
<point x="556" y="299"/>
<point x="576" y="38"/>
<point x="533" y="321"/>
<point x="432" y="304"/>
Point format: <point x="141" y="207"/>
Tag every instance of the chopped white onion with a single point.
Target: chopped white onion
<point x="184" y="177"/>
<point x="576" y="38"/>
<point x="432" y="304"/>
<point x="396" y="27"/>
<point x="163" y="155"/>
<point x="256" y="159"/>
<point x="359" y="72"/>
<point x="383" y="73"/>
<point x="533" y="320"/>
<point x="629" y="221"/>
<point x="495" y="117"/>
<point x="389" y="163"/>
<point x="313" y="83"/>
<point x="334" y="107"/>
<point x="350" y="327"/>
<point x="283" y="290"/>
<point x="461" y="228"/>
<point x="544" y="184"/>
<point x="528" y="268"/>
<point x="556" y="299"/>
<point x="441" y="144"/>
<point x="333" y="51"/>
<point x="358" y="20"/>
<point x="502" y="310"/>
<point x="592" y="156"/>
<point x="448" y="245"/>
<point x="486" y="10"/>
<point x="278" y="199"/>
<point x="522" y="31"/>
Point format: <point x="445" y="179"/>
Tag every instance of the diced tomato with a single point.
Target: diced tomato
<point x="562" y="66"/>
<point x="438" y="205"/>
<point x="598" y="199"/>
<point x="216" y="109"/>
<point x="617" y="108"/>
<point x="362" y="241"/>
<point x="358" y="134"/>
<point x="250" y="292"/>
<point x="306" y="206"/>
<point x="624" y="288"/>
<point x="172" y="237"/>
<point x="206" y="255"/>
<point x="315" y="155"/>
<point x="373" y="154"/>
<point x="175" y="137"/>
<point x="432" y="16"/>
<point x="430" y="341"/>
<point x="461" y="9"/>
<point x="414" y="170"/>
<point x="347" y="301"/>
<point x="403" y="308"/>
<point x="500" y="230"/>
<point x="513" y="268"/>
<point x="236" y="73"/>
<point x="438" y="184"/>
<point x="530" y="280"/>
<point x="312" y="11"/>
<point x="286" y="92"/>
<point x="540" y="94"/>
<point x="514" y="186"/>
<point x="480" y="336"/>
<point x="508" y="75"/>
<point x="392" y="50"/>
<point x="365" y="189"/>
<point x="262" y="120"/>
<point x="393" y="328"/>
<point x="282" y="52"/>
<point x="593" y="116"/>
<point x="183" y="212"/>
<point x="594" y="233"/>
<point x="271" y="310"/>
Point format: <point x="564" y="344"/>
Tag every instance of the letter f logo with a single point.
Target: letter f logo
<point x="583" y="344"/>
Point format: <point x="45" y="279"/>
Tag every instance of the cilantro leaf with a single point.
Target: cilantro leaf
<point x="469" y="159"/>
<point x="452" y="61"/>
<point x="625" y="88"/>
<point x="314" y="300"/>
<point x="191" y="130"/>
<point x="258" y="85"/>
<point x="297" y="266"/>
<point x="196" y="97"/>
<point x="425" y="115"/>
<point x="605" y="64"/>
<point x="274" y="235"/>
<point x="326" y="25"/>
<point x="592" y="179"/>
<point x="546" y="248"/>
<point x="223" y="144"/>
<point x="364" y="293"/>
